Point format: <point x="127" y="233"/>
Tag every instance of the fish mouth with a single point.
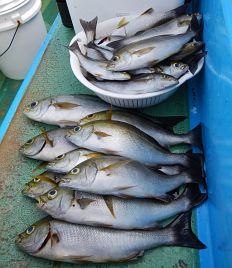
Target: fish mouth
<point x="40" y="203"/>
<point x="110" y="66"/>
<point x="64" y="181"/>
<point x="22" y="150"/>
<point x="26" y="189"/>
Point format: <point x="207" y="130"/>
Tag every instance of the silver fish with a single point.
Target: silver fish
<point x="163" y="136"/>
<point x="64" y="110"/>
<point x="188" y="50"/>
<point x="66" y="162"/>
<point x="144" y="84"/>
<point x="176" y="26"/>
<point x="66" y="242"/>
<point x="95" y="67"/>
<point x="48" y="145"/>
<point x="89" y="28"/>
<point x="41" y="184"/>
<point x="175" y="69"/>
<point x="151" y="51"/>
<point x="146" y="20"/>
<point x="119" y="138"/>
<point x="123" y="177"/>
<point x="113" y="212"/>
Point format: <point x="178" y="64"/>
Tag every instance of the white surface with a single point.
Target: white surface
<point x="130" y="101"/>
<point x="106" y="9"/>
<point x="29" y="37"/>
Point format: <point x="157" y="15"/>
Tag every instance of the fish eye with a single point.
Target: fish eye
<point x="60" y="157"/>
<point x="75" y="171"/>
<point x="176" y="65"/>
<point x="36" y="179"/>
<point x="52" y="194"/>
<point x="76" y="129"/>
<point x="30" y="229"/>
<point x="30" y="141"/>
<point x="90" y="116"/>
<point x="34" y="104"/>
<point x="115" y="58"/>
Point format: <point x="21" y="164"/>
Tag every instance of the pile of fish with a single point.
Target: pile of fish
<point x="109" y="176"/>
<point x="148" y="53"/>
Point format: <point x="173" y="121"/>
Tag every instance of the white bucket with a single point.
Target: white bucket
<point x="28" y="39"/>
<point x="105" y="9"/>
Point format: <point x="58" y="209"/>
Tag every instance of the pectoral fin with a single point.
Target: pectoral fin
<point x="41" y="165"/>
<point x="143" y="51"/>
<point x="75" y="259"/>
<point x="101" y="134"/>
<point x="115" y="165"/>
<point x="109" y="202"/>
<point x="91" y="155"/>
<point x="84" y="202"/>
<point x="45" y="135"/>
<point x="65" y="105"/>
<point x="148" y="11"/>
<point x="123" y="22"/>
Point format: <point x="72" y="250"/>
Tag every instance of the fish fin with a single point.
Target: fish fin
<point x="143" y="51"/>
<point x="180" y="10"/>
<point x="123" y="22"/>
<point x="169" y="121"/>
<point x="123" y="188"/>
<point x="45" y="135"/>
<point x="116" y="45"/>
<point x="65" y="105"/>
<point x="89" y="28"/>
<point x="165" y="198"/>
<point x="54" y="239"/>
<point x="65" y="123"/>
<point x="109" y="113"/>
<point x="92" y="155"/>
<point x="116" y="165"/>
<point x="84" y="202"/>
<point x="194" y="195"/>
<point x="75" y="259"/>
<point x="196" y="175"/>
<point x="183" y="234"/>
<point x="196" y="137"/>
<point x="104" y="39"/>
<point x="101" y="134"/>
<point x="74" y="47"/>
<point x="193" y="62"/>
<point x="195" y="26"/>
<point x="41" y="165"/>
<point x="148" y="11"/>
<point x="109" y="203"/>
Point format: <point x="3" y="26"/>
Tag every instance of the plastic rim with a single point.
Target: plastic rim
<point x="8" y="5"/>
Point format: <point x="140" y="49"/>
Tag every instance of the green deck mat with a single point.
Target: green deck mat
<point x="54" y="77"/>
<point x="9" y="87"/>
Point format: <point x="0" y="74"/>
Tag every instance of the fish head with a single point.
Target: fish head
<point x="193" y="46"/>
<point x="56" y="201"/>
<point x="82" y="175"/>
<point x="33" y="146"/>
<point x="167" y="81"/>
<point x="34" y="238"/>
<point x="60" y="163"/>
<point x="179" y="67"/>
<point x="80" y="134"/>
<point x="37" y="186"/>
<point x="94" y="117"/>
<point x="120" y="61"/>
<point x="37" y="109"/>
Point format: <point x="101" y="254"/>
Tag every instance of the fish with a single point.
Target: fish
<point x="146" y="20"/>
<point x="64" y="111"/>
<point x="149" y="70"/>
<point x="144" y="84"/>
<point x="188" y="50"/>
<point x="176" y="26"/>
<point x="89" y="28"/>
<point x="66" y="162"/>
<point x="126" y="178"/>
<point x="151" y="51"/>
<point x="61" y="241"/>
<point x="97" y="210"/>
<point x="106" y="53"/>
<point x="96" y="67"/>
<point x="174" y="69"/>
<point x="119" y="138"/>
<point x="48" y="145"/>
<point x="41" y="184"/>
<point x="163" y="136"/>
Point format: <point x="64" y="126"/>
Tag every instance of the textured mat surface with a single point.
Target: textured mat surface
<point x="54" y="77"/>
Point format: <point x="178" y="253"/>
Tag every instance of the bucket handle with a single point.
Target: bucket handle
<point x="19" y="23"/>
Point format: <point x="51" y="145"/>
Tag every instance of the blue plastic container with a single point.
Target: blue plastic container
<point x="211" y="103"/>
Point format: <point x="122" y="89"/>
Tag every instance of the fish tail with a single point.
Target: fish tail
<point x="116" y="45"/>
<point x="74" y="47"/>
<point x="183" y="234"/>
<point x="194" y="196"/>
<point x="180" y="10"/>
<point x="89" y="29"/>
<point x="195" y="26"/>
<point x="193" y="62"/>
<point x="195" y="137"/>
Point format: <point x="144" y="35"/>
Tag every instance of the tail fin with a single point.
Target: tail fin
<point x="196" y="137"/>
<point x="89" y="29"/>
<point x="194" y="195"/>
<point x="183" y="234"/>
<point x="74" y="47"/>
<point x="169" y="121"/>
<point x="116" y="45"/>
<point x="195" y="26"/>
<point x="193" y="62"/>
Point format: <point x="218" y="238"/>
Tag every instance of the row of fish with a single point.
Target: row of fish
<point x="145" y="54"/>
<point x="110" y="177"/>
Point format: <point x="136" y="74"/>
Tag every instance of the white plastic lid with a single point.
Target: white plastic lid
<point x="12" y="11"/>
